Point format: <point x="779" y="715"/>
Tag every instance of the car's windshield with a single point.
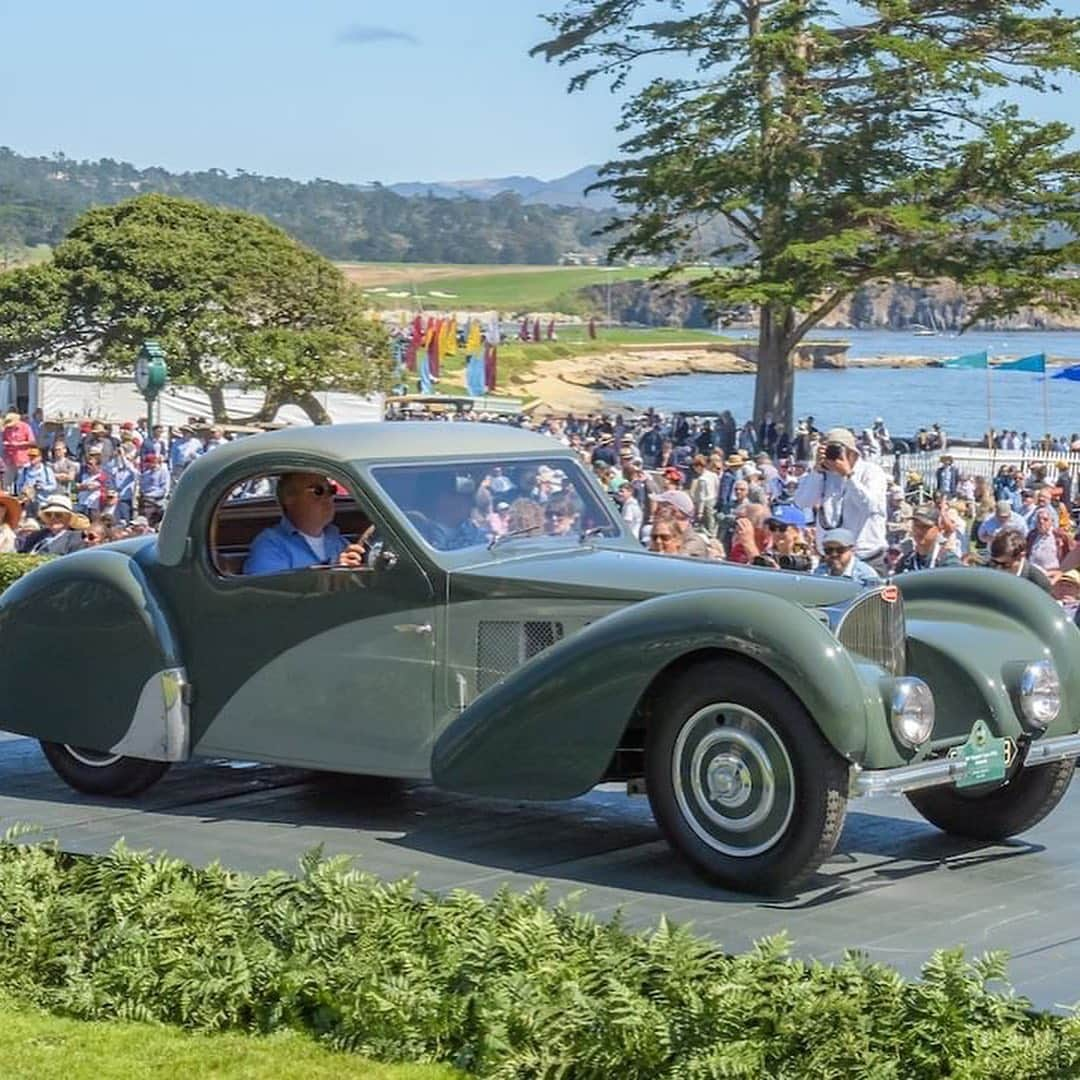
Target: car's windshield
<point x="469" y="504"/>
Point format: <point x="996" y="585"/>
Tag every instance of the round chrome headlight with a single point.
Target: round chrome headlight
<point x="911" y="711"/>
<point x="1040" y="693"/>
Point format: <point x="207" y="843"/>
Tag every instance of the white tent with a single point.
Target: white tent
<point x="65" y="394"/>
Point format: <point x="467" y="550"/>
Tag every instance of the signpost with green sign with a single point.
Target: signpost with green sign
<point x="151" y="374"/>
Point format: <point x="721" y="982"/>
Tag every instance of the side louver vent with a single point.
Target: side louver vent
<point x="503" y="646"/>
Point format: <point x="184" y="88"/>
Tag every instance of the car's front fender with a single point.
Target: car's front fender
<point x="90" y="652"/>
<point x="550" y="728"/>
<point x="971" y="631"/>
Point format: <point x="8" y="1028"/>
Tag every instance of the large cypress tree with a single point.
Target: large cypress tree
<point x="875" y="142"/>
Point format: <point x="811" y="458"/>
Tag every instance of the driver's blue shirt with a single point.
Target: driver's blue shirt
<point x="284" y="547"/>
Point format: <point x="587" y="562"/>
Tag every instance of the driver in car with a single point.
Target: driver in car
<point x="305" y="536"/>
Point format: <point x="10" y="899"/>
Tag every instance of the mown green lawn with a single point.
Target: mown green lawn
<point x="510" y="288"/>
<point x="36" y="1046"/>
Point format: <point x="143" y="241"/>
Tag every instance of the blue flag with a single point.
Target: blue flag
<point x="1070" y="373"/>
<point x="426" y="384"/>
<point x="474" y="376"/>
<point x="971" y="360"/>
<point x="1036" y="363"/>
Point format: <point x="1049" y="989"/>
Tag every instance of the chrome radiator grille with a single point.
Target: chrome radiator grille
<point x="874" y="627"/>
<point x="502" y="646"/>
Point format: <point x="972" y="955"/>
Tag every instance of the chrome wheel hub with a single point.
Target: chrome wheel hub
<point x="733" y="779"/>
<point x="728" y="780"/>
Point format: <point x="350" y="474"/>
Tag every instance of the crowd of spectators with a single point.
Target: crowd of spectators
<point x="825" y="502"/>
<point x="67" y="486"/>
<point x="814" y="501"/>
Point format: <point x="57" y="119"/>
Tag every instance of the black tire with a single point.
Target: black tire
<point x="98" y="773"/>
<point x="729" y="724"/>
<point x="1005" y="811"/>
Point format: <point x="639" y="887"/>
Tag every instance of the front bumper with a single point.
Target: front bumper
<point x="926" y="774"/>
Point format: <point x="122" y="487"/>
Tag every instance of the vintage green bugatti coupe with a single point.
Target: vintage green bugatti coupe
<point x="507" y="637"/>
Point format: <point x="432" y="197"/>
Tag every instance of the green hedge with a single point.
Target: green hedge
<point x="508" y="987"/>
<point x="12" y="567"/>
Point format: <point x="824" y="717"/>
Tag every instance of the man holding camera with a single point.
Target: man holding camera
<point x="845" y="491"/>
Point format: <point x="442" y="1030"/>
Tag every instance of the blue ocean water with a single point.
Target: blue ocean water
<point x="965" y="403"/>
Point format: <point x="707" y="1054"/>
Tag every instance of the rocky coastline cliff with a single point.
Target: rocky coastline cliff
<point x="942" y="306"/>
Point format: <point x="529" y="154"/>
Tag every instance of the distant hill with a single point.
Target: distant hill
<point x="566" y="190"/>
<point x="511" y="220"/>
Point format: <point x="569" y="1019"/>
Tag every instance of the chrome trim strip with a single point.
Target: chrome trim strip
<point x="1059" y="748"/>
<point x="940" y="771"/>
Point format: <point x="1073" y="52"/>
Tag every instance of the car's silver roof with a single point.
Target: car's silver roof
<point x="371" y="443"/>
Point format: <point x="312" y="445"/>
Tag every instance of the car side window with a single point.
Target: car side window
<point x="278" y="522"/>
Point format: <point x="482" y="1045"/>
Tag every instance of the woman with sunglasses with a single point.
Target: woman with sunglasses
<point x="306" y="535"/>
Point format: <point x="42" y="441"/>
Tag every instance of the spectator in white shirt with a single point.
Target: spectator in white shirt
<point x="844" y="490"/>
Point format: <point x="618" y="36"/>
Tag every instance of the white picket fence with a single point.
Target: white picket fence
<point x="977" y="461"/>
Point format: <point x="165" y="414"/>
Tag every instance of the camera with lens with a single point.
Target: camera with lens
<point x="834" y="452"/>
<point x="799" y="563"/>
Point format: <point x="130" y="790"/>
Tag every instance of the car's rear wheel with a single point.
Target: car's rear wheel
<point x="1003" y="811"/>
<point x="97" y="772"/>
<point x="741" y="781"/>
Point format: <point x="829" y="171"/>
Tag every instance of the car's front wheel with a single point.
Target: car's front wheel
<point x="1000" y="812"/>
<point x="741" y="781"/>
<point x="97" y="772"/>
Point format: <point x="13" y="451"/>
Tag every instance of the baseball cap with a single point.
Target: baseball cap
<point x="844" y="537"/>
<point x="678" y="501"/>
<point x="840" y="437"/>
<point x="788" y="514"/>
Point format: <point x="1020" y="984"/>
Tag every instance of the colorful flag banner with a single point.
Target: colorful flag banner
<point x="476" y="375"/>
<point x="1035" y="362"/>
<point x="970" y="360"/>
<point x="490" y="360"/>
<point x="474" y="339"/>
<point x="434" y="350"/>
<point x="493" y="332"/>
<point x="1070" y="373"/>
<point x="426" y="384"/>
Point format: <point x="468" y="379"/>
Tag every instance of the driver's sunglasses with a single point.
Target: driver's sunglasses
<point x="778" y="526"/>
<point x="320" y="491"/>
<point x="832" y="549"/>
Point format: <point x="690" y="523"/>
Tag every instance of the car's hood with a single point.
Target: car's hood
<point x="610" y="573"/>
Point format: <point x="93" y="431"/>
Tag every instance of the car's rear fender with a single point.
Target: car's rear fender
<point x="90" y="652"/>
<point x="550" y="728"/>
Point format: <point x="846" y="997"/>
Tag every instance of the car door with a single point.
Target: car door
<point x="325" y="667"/>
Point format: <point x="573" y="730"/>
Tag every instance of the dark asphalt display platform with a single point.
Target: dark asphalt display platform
<point x="896" y="888"/>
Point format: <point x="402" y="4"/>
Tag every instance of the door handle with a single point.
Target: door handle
<point x="413" y="628"/>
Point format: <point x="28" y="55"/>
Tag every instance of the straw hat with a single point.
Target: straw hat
<point x="79" y="521"/>
<point x="57" y="503"/>
<point x="12" y="510"/>
<point x="11" y="418"/>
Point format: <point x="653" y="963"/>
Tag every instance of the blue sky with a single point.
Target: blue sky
<point x="351" y="90"/>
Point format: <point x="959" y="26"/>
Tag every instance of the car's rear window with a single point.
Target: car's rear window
<point x="468" y="504"/>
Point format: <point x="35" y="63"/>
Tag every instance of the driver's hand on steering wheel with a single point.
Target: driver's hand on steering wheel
<point x="355" y="555"/>
<point x="352" y="556"/>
